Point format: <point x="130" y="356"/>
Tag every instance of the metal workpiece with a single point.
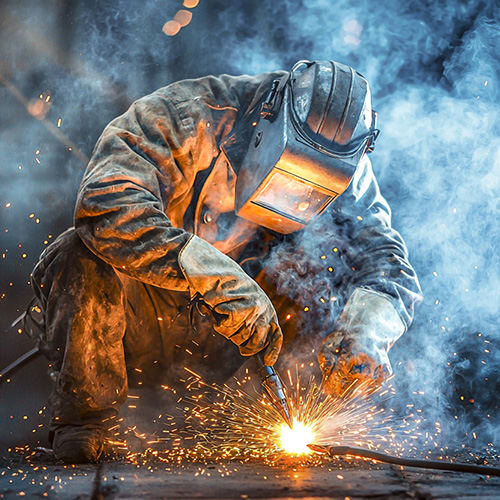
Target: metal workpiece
<point x="274" y="388"/>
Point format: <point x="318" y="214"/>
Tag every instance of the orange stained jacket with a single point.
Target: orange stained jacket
<point x="166" y="169"/>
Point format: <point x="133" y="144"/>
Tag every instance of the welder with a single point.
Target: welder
<point x="206" y="213"/>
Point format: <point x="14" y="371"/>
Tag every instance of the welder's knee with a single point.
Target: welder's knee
<point x="65" y="260"/>
<point x="69" y="280"/>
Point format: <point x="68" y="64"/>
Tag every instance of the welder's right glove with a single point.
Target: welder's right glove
<point x="243" y="312"/>
<point x="356" y="351"/>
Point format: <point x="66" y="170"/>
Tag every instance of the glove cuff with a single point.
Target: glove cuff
<point x="370" y="316"/>
<point x="206" y="269"/>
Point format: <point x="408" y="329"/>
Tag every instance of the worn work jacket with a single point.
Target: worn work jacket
<point x="167" y="168"/>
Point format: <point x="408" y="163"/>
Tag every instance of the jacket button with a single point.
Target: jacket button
<point x="208" y="217"/>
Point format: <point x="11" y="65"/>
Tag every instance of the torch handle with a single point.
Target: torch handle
<point x="274" y="388"/>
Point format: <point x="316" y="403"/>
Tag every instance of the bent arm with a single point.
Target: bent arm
<point x="139" y="182"/>
<point x="374" y="251"/>
<point x="131" y="177"/>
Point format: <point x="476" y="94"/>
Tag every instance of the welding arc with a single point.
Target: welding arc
<point x="19" y="363"/>
<point x="407" y="462"/>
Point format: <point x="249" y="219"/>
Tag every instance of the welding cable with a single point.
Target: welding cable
<point x="407" y="462"/>
<point x="19" y="363"/>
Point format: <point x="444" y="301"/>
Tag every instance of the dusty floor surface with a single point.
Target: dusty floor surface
<point x="22" y="421"/>
<point x="338" y="479"/>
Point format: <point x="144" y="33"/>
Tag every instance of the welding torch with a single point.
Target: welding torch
<point x="274" y="388"/>
<point x="270" y="379"/>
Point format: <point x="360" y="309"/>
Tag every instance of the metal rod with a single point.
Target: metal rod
<point x="18" y="363"/>
<point x="407" y="462"/>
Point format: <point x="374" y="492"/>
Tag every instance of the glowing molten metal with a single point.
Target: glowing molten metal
<point x="295" y="440"/>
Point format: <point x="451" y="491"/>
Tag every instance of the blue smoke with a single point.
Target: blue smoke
<point x="434" y="72"/>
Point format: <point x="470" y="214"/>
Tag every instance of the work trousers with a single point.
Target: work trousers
<point x="102" y="330"/>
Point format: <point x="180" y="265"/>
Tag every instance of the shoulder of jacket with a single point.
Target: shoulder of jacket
<point x="222" y="90"/>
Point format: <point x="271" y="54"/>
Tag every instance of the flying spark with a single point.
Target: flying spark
<point x="225" y="423"/>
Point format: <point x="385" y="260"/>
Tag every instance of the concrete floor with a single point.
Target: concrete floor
<point x="41" y="477"/>
<point x="339" y="479"/>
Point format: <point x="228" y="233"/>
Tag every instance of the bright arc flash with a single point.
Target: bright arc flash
<point x="295" y="440"/>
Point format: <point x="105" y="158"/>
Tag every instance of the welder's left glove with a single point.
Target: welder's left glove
<point x="357" y="350"/>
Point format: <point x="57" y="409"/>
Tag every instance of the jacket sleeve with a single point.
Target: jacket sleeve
<point x="143" y="170"/>
<point x="374" y="252"/>
<point x="130" y="179"/>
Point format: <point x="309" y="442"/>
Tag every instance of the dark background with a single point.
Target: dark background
<point x="433" y="66"/>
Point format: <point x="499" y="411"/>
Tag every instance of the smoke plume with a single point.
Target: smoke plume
<point x="68" y="68"/>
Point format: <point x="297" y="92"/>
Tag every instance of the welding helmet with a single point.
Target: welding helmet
<point x="315" y="125"/>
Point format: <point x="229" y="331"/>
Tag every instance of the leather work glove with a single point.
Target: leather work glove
<point x="243" y="312"/>
<point x="357" y="350"/>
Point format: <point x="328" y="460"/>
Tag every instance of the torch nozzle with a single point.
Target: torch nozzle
<point x="274" y="389"/>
